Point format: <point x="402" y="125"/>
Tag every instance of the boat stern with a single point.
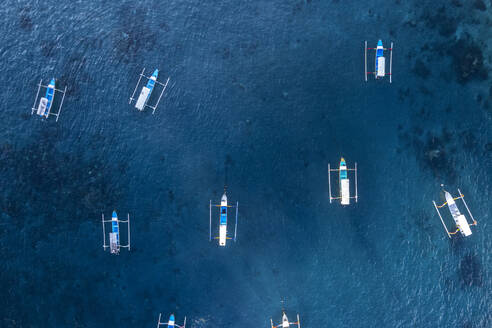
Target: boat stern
<point x="381" y="69"/>
<point x="463" y="225"/>
<point x="43" y="105"/>
<point x="222" y="234"/>
<point x="345" y="191"/>
<point x="142" y="98"/>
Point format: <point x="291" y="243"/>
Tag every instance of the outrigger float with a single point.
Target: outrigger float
<point x="114" y="235"/>
<point x="462" y="224"/>
<point x="222" y="220"/>
<point x="144" y="96"/>
<point x="171" y="323"/>
<point x="285" y="322"/>
<point x="344" y="182"/>
<point x="380" y="61"/>
<point x="46" y="103"/>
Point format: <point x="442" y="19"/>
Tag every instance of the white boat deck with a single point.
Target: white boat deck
<point x="142" y="98"/>
<point x="345" y="191"/>
<point x="381" y="67"/>
<point x="222" y="234"/>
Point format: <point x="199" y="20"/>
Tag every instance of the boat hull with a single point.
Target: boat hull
<point x="45" y="102"/>
<point x="144" y="96"/>
<point x="380" y="60"/>
<point x="223" y="221"/>
<point x="114" y="235"/>
<point x="459" y="218"/>
<point x="344" y="183"/>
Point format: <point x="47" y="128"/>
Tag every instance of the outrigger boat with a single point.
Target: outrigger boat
<point x="171" y="322"/>
<point x="285" y="322"/>
<point x="462" y="224"/>
<point x="380" y="61"/>
<point x="114" y="235"/>
<point x="144" y="96"/>
<point x="46" y="102"/>
<point x="344" y="182"/>
<point x="222" y="220"/>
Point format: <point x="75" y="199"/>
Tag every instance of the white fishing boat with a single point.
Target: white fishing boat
<point x="223" y="237"/>
<point x="379" y="61"/>
<point x="114" y="236"/>
<point x="45" y="105"/>
<point x="344" y="183"/>
<point x="146" y="91"/>
<point x="171" y="323"/>
<point x="285" y="322"/>
<point x="460" y="220"/>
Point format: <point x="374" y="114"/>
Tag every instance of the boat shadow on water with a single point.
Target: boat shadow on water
<point x="470" y="271"/>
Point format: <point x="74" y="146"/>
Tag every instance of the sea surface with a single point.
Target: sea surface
<point x="262" y="96"/>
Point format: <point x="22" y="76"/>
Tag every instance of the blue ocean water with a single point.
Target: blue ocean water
<point x="262" y="96"/>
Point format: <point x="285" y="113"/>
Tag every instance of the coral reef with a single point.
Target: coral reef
<point x="45" y="181"/>
<point x="467" y="60"/>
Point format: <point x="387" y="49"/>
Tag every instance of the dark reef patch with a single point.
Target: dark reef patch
<point x="470" y="271"/>
<point x="479" y="5"/>
<point x="47" y="48"/>
<point x="456" y="3"/>
<point x="25" y="20"/>
<point x="75" y="74"/>
<point x="421" y="69"/>
<point x="468" y="140"/>
<point x="467" y="60"/>
<point x="435" y="155"/>
<point x="133" y="36"/>
<point x="57" y="184"/>
<point x="170" y="195"/>
<point x="300" y="5"/>
<point x="432" y="151"/>
<point x="403" y="93"/>
<point x="425" y="91"/>
<point x="249" y="48"/>
<point x="440" y="21"/>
